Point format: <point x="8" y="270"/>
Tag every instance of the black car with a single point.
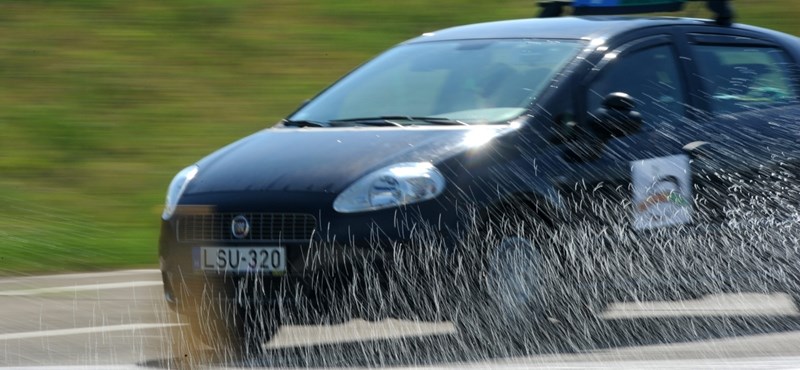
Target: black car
<point x="513" y="177"/>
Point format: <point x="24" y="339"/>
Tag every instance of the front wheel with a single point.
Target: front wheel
<point x="791" y="280"/>
<point x="525" y="293"/>
<point x="794" y="294"/>
<point x="234" y="329"/>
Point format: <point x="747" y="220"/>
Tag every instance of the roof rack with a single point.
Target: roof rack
<point x="555" y="8"/>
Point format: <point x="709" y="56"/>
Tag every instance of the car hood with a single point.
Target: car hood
<point x="327" y="159"/>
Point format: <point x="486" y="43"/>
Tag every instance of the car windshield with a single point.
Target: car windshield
<point x="443" y="82"/>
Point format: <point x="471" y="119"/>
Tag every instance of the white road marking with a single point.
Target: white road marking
<point x="103" y="367"/>
<point x="83" y="275"/>
<point x="88" y="330"/>
<point x="784" y="363"/>
<point x="79" y="288"/>
<point x="745" y="304"/>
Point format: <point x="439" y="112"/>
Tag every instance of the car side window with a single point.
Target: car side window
<point x="650" y="76"/>
<point x="738" y="78"/>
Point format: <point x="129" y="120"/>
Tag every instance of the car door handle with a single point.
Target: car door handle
<point x="696" y="148"/>
<point x="705" y="156"/>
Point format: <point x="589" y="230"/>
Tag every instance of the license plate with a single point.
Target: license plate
<point x="240" y="259"/>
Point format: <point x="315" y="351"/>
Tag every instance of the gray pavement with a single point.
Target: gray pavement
<point x="118" y="320"/>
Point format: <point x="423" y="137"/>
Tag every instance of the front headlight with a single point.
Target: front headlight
<point x="176" y="189"/>
<point x="392" y="186"/>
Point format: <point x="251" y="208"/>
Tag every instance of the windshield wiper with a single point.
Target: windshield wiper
<point x="367" y="121"/>
<point x="390" y="120"/>
<point x="304" y="123"/>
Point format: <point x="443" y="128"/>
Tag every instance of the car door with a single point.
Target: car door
<point x="639" y="178"/>
<point x="627" y="191"/>
<point x="747" y="158"/>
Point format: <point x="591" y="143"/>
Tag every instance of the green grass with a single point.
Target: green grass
<point x="102" y="101"/>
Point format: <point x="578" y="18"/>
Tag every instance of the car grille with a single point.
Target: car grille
<point x="263" y="226"/>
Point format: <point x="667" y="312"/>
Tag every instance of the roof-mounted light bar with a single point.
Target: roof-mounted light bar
<point x="555" y="8"/>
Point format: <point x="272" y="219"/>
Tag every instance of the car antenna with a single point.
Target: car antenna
<point x="723" y="10"/>
<point x="555" y="8"/>
<point x="552" y="9"/>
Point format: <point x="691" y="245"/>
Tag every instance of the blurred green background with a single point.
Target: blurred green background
<point x="102" y="101"/>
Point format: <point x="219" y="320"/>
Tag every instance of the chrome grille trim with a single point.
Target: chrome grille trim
<point x="263" y="227"/>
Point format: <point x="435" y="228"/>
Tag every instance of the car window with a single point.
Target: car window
<point x="650" y="76"/>
<point x="474" y="81"/>
<point x="737" y="78"/>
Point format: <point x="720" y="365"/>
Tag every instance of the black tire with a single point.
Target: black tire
<point x="791" y="281"/>
<point x="525" y="293"/>
<point x="794" y="294"/>
<point x="795" y="299"/>
<point x="233" y="329"/>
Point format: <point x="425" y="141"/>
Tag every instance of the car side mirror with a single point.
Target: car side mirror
<point x="616" y="117"/>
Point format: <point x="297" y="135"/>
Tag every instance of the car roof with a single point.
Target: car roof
<point x="587" y="27"/>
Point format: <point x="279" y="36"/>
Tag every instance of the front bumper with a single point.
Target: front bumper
<point x="335" y="273"/>
<point x="317" y="273"/>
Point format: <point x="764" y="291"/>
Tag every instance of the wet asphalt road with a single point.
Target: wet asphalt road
<point x="119" y="320"/>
